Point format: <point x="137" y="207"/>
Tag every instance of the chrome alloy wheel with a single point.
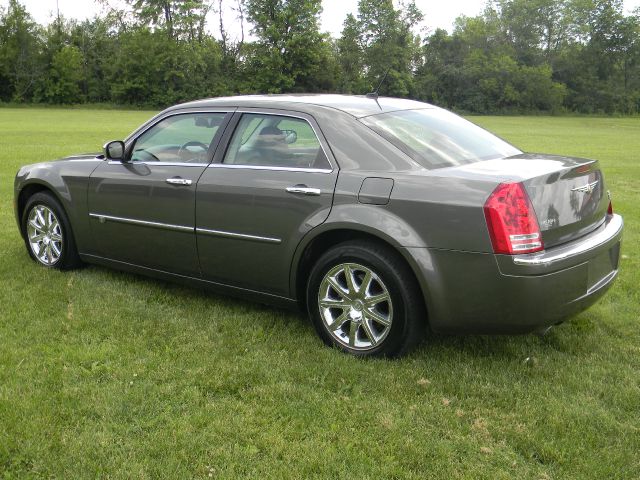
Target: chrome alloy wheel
<point x="44" y="234"/>
<point x="355" y="306"/>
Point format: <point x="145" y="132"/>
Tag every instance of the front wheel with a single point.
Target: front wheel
<point x="47" y="233"/>
<point x="363" y="299"/>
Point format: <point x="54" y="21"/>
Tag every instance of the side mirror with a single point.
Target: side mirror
<point x="114" y="150"/>
<point x="290" y="136"/>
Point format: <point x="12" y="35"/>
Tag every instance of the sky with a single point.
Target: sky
<point x="438" y="13"/>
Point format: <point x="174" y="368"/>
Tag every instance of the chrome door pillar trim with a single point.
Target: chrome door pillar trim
<point x="145" y="223"/>
<point x="243" y="236"/>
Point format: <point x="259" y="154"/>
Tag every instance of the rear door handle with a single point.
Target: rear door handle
<point x="303" y="190"/>
<point x="178" y="181"/>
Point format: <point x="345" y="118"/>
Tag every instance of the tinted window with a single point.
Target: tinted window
<point x="275" y="141"/>
<point x="436" y="138"/>
<point x="178" y="139"/>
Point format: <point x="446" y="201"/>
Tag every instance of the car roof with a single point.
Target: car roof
<point x="355" y="105"/>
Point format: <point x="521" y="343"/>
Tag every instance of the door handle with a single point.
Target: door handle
<point x="178" y="181"/>
<point x="304" y="190"/>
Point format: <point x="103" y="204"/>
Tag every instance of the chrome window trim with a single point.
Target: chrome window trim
<point x="243" y="236"/>
<point x="299" y="116"/>
<point x="261" y="167"/>
<point x="145" y="223"/>
<point x="163" y="164"/>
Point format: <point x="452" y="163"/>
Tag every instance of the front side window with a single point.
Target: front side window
<point x="275" y="141"/>
<point x="436" y="138"/>
<point x="181" y="138"/>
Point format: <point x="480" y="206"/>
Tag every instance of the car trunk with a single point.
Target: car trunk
<point x="569" y="202"/>
<point x="568" y="194"/>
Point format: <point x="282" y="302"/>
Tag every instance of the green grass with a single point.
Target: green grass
<point x="106" y="374"/>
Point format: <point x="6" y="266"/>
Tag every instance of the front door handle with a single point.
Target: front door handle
<point x="304" y="190"/>
<point x="178" y="181"/>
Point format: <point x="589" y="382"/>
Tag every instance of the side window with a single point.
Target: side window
<point x="275" y="141"/>
<point x="183" y="138"/>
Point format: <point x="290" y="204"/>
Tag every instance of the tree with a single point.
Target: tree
<point x="180" y="18"/>
<point x="20" y="63"/>
<point x="290" y="50"/>
<point x="351" y="58"/>
<point x="388" y="43"/>
<point x="62" y="84"/>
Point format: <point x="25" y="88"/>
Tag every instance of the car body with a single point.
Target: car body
<point x="265" y="187"/>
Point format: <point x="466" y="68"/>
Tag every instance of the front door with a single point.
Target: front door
<point x="142" y="210"/>
<point x="255" y="203"/>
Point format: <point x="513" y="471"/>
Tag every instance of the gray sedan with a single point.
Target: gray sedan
<point x="381" y="218"/>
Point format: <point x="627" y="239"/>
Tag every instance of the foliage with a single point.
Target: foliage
<point x="536" y="55"/>
<point x="20" y="48"/>
<point x="290" y="51"/>
<point x="517" y="56"/>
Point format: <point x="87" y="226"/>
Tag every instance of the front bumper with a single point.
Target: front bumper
<point x="486" y="293"/>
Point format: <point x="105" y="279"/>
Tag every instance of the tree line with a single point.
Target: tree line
<point x="518" y="56"/>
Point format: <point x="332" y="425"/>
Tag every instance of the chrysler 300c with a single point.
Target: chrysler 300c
<point x="381" y="218"/>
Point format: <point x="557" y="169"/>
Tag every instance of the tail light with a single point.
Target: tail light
<point x="512" y="222"/>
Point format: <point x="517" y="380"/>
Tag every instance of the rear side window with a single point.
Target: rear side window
<point x="436" y="138"/>
<point x="275" y="141"/>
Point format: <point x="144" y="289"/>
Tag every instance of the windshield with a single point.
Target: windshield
<point x="436" y="138"/>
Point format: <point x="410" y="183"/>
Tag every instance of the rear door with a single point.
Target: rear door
<point x="142" y="210"/>
<point x="256" y="201"/>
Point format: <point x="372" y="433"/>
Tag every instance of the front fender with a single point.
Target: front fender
<point x="67" y="181"/>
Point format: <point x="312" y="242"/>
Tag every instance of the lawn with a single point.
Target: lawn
<point x="107" y="374"/>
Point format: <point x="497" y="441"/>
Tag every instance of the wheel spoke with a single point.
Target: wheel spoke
<point x="366" y="281"/>
<point x="375" y="299"/>
<point x="369" y="332"/>
<point x="34" y="225"/>
<point x="49" y="259"/>
<point x="373" y="315"/>
<point x="37" y="238"/>
<point x="348" y="273"/>
<point x="331" y="303"/>
<point x="56" y="237"/>
<point x="338" y="289"/>
<point x="353" y="330"/>
<point x="40" y="216"/>
<point x="57" y="250"/>
<point x="338" y="322"/>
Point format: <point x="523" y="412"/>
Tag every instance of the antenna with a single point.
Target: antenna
<point x="374" y="94"/>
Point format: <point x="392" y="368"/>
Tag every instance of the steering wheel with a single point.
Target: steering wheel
<point x="183" y="148"/>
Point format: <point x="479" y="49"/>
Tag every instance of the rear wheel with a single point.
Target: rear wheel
<point x="47" y="233"/>
<point x="363" y="299"/>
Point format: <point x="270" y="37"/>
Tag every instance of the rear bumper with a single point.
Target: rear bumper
<point x="486" y="293"/>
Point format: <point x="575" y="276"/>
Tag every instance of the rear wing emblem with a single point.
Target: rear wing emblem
<point x="588" y="188"/>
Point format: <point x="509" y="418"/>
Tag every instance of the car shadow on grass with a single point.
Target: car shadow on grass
<point x="435" y="346"/>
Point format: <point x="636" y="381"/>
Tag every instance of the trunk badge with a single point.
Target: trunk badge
<point x="588" y="188"/>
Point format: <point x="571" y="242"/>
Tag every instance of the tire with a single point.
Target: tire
<point x="47" y="233"/>
<point x="379" y="314"/>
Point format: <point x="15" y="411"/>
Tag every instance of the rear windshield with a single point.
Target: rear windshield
<point x="436" y="138"/>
